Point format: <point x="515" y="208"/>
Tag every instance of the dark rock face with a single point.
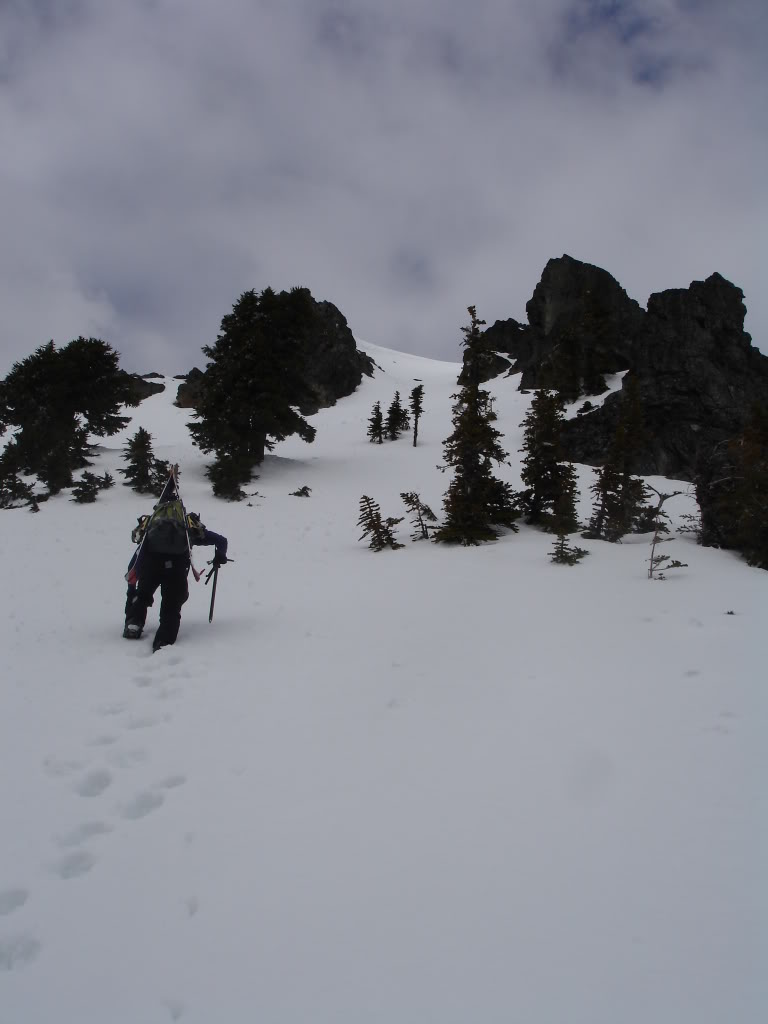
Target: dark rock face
<point x="142" y="387"/>
<point x="698" y="378"/>
<point x="188" y="391"/>
<point x="333" y="365"/>
<point x="581" y="324"/>
<point x="697" y="374"/>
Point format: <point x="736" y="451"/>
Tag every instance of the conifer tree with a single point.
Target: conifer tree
<point x="56" y="398"/>
<point x="564" y="520"/>
<point x="417" y="408"/>
<point x="732" y="490"/>
<point x="750" y="455"/>
<point x="144" y="473"/>
<point x="13" y="490"/>
<point x="607" y="518"/>
<point x="423" y="516"/>
<point x="378" y="531"/>
<point x="397" y="419"/>
<point x="476" y="503"/>
<point x="376" y="425"/>
<point x="542" y="471"/>
<point x="252" y="385"/>
<point x="620" y="505"/>
<point x="405" y="419"/>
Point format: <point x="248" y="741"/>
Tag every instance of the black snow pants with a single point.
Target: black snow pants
<point x="169" y="572"/>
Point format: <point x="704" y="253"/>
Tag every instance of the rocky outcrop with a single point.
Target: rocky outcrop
<point x="189" y="389"/>
<point x="333" y="366"/>
<point x="142" y="386"/>
<point x="696" y="373"/>
<point x="698" y="378"/>
<point x="581" y="326"/>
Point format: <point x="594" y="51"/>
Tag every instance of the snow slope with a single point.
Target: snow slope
<point x="433" y="785"/>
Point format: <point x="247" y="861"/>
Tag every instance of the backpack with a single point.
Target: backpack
<point x="166" y="531"/>
<point x="168" y="525"/>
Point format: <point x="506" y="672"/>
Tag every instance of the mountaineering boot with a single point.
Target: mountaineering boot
<point x="132" y="631"/>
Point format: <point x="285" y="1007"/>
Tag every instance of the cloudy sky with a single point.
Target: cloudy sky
<point x="402" y="159"/>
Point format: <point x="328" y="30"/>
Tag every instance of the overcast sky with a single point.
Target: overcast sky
<point x="403" y="159"/>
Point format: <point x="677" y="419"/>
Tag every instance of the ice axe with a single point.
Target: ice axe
<point x="215" y="573"/>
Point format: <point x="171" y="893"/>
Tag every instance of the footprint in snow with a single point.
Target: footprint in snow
<point x="108" y="710"/>
<point x="77" y="836"/>
<point x="143" y="721"/>
<point x="128" y="758"/>
<point x="141" y="805"/>
<point x="57" y="767"/>
<point x="168" y="693"/>
<point x="74" y="864"/>
<point x="102" y="741"/>
<point x="171" y="782"/>
<point x="142" y="680"/>
<point x="94" y="783"/>
<point x="12" y="899"/>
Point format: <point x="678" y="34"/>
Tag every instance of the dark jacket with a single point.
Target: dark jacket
<point x="196" y="539"/>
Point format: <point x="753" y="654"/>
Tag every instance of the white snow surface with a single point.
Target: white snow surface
<point x="438" y="784"/>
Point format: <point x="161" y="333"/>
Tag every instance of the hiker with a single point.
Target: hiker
<point x="163" y="560"/>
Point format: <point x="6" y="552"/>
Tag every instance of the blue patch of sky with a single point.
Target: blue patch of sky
<point x="620" y="18"/>
<point x="640" y="42"/>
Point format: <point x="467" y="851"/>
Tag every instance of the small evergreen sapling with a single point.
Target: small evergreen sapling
<point x="144" y="473"/>
<point x="417" y="408"/>
<point x="564" y="553"/>
<point x="397" y="419"/>
<point x="87" y="488"/>
<point x="376" y="425"/>
<point x="659" y="564"/>
<point x="564" y="520"/>
<point x="423" y="516"/>
<point x="378" y="530"/>
<point x="302" y="492"/>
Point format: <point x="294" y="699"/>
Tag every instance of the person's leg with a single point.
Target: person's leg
<point x="174" y="591"/>
<point x="140" y="597"/>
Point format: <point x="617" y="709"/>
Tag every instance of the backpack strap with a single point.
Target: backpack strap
<point x="195" y="527"/>
<point x="138" y="531"/>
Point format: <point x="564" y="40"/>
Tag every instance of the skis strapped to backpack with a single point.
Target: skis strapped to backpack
<point x="166" y="530"/>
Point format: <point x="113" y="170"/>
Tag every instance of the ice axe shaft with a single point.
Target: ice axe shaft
<point x="215" y="573"/>
<point x="213" y="592"/>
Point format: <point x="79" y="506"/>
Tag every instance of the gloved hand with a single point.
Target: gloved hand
<point x="219" y="560"/>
